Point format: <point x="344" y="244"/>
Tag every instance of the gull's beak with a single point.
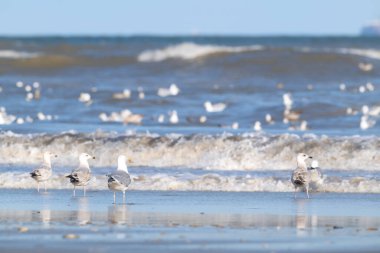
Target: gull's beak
<point x="93" y="157"/>
<point x="130" y="160"/>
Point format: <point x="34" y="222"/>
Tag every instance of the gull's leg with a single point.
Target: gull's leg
<point x="84" y="190"/>
<point x="45" y="185"/>
<point x="114" y="197"/>
<point x="295" y="192"/>
<point x="38" y="186"/>
<point x="74" y="191"/>
<point x="307" y="191"/>
<point x="124" y="197"/>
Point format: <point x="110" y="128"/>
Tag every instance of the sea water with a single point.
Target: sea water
<point x="331" y="85"/>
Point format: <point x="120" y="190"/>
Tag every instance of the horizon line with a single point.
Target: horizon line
<point x="175" y="35"/>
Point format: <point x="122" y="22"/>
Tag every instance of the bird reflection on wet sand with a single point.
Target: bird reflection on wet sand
<point x="118" y="214"/>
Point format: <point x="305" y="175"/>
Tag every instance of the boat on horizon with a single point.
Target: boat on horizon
<point x="372" y="28"/>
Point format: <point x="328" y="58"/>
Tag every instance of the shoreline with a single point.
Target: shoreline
<point x="154" y="221"/>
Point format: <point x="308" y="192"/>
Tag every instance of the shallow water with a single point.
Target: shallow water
<point x="189" y="222"/>
<point x="187" y="179"/>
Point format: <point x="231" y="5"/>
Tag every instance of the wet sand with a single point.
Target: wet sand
<point x="155" y="221"/>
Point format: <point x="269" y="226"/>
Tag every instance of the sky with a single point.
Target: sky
<point x="186" y="17"/>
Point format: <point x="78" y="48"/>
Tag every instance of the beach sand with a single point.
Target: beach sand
<point x="156" y="221"/>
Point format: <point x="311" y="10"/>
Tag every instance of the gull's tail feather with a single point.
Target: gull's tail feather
<point x="298" y="182"/>
<point x="73" y="178"/>
<point x="34" y="174"/>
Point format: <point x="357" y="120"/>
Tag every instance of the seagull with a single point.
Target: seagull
<point x="290" y="115"/>
<point x="235" y="125"/>
<point x="287" y="100"/>
<point x="366" y="122"/>
<point x="120" y="179"/>
<point x="269" y="119"/>
<point x="85" y="98"/>
<point x="218" y="107"/>
<point x="316" y="176"/>
<point x="81" y="175"/>
<point x="122" y="95"/>
<point x="43" y="172"/>
<point x="301" y="175"/>
<point x="173" y="90"/>
<point x="6" y="119"/>
<point x="161" y="118"/>
<point x="202" y="119"/>
<point x="141" y="92"/>
<point x="19" y="84"/>
<point x="173" y="117"/>
<point x="257" y="126"/>
<point x="125" y="116"/>
<point x="129" y="118"/>
<point x="370" y="86"/>
<point x="303" y="126"/>
<point x="365" y="67"/>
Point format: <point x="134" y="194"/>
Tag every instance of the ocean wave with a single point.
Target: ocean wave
<point x="205" y="182"/>
<point x="219" y="152"/>
<point x="189" y="51"/>
<point x="368" y="53"/>
<point x="11" y="54"/>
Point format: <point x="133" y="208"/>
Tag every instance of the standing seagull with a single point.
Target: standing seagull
<point x="120" y="179"/>
<point x="301" y="175"/>
<point x="81" y="175"/>
<point x="43" y="173"/>
<point x="316" y="176"/>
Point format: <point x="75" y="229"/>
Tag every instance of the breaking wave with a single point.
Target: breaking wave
<point x="225" y="162"/>
<point x="368" y="53"/>
<point x="11" y="54"/>
<point x="189" y="50"/>
<point x="246" y="152"/>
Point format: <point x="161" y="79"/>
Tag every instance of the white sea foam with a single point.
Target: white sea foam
<point x="12" y="54"/>
<point x="189" y="51"/>
<point x="218" y="152"/>
<point x="368" y="52"/>
<point x="191" y="182"/>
